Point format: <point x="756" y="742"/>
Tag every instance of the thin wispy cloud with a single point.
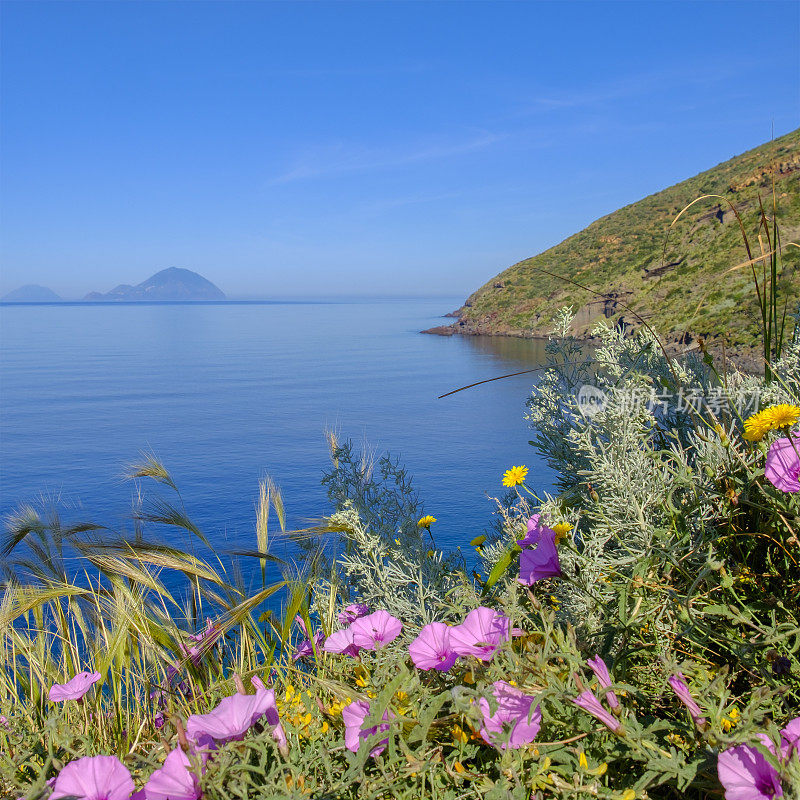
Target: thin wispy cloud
<point x="382" y="205"/>
<point x="338" y="159"/>
<point x="644" y="83"/>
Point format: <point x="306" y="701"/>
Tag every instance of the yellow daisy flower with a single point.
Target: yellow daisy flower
<point x="770" y="419"/>
<point x="731" y="720"/>
<point x="561" y="530"/>
<point x="459" y="735"/>
<point x="336" y="707"/>
<point x="514" y="476"/>
<point x="426" y="521"/>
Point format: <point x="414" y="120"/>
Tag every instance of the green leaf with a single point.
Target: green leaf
<point x="499" y="569"/>
<point x="714" y="610"/>
<point x="420" y="733"/>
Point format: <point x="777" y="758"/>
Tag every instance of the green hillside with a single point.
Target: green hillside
<point x="622" y="257"/>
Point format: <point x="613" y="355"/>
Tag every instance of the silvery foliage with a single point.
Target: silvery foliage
<point x="386" y="561"/>
<point x="785" y="385"/>
<point x="413" y="586"/>
<point x="628" y="470"/>
<point x="627" y="371"/>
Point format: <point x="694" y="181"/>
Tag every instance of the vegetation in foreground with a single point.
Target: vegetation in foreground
<point x="635" y="636"/>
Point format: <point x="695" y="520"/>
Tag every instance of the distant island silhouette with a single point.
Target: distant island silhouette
<point x="31" y="293"/>
<point x="173" y="284"/>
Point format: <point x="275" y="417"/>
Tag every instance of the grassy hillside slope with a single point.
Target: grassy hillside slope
<point x="622" y="257"/>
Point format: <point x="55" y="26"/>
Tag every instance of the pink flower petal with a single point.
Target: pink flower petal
<point x="75" y="688"/>
<point x="352" y="612"/>
<point x="174" y="781"/>
<point x="540" y="563"/>
<point x="341" y="642"/>
<point x="94" y="778"/>
<point x="783" y="464"/>
<point x="588" y="702"/>
<point x="353" y="716"/>
<point x="375" y="630"/>
<point x="513" y="724"/>
<point x="536" y="529"/>
<point x="681" y="689"/>
<point x="598" y="666"/>
<point x="431" y="649"/>
<point x="790" y="739"/>
<point x="746" y="774"/>
<point x="234" y="716"/>
<point x="480" y="634"/>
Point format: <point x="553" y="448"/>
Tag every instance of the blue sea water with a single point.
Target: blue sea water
<point x="225" y="394"/>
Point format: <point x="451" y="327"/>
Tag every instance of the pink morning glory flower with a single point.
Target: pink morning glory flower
<point x="73" y="689"/>
<point x="234" y="716"/>
<point x="352" y="612"/>
<point x="536" y="529"/>
<point x="745" y="774"/>
<point x="174" y="781"/>
<point x="480" y="634"/>
<point x="513" y="724"/>
<point x="353" y="716"/>
<point x="173" y="677"/>
<point x="94" y="778"/>
<point x="375" y="630"/>
<point x="204" y="640"/>
<point x="598" y="666"/>
<point x="306" y="650"/>
<point x="210" y="633"/>
<point x="783" y="464"/>
<point x="193" y="653"/>
<point x="541" y="562"/>
<point x="341" y="642"/>
<point x="790" y="739"/>
<point x="431" y="649"/>
<point x="588" y="702"/>
<point x="681" y="689"/>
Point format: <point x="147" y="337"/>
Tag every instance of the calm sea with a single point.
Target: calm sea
<point x="225" y="394"/>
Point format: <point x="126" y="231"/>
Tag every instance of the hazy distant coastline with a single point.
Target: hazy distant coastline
<point x="173" y="284"/>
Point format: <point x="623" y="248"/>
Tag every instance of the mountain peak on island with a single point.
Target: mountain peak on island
<point x="171" y="284"/>
<point x="31" y="293"/>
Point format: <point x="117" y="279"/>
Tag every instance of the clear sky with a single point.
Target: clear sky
<point x="297" y="149"/>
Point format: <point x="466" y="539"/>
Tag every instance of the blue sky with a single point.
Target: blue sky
<point x="319" y="149"/>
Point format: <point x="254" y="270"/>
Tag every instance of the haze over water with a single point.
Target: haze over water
<point x="225" y="393"/>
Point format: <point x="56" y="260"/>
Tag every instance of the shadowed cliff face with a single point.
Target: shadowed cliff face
<point x="686" y="281"/>
<point x="169" y="284"/>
